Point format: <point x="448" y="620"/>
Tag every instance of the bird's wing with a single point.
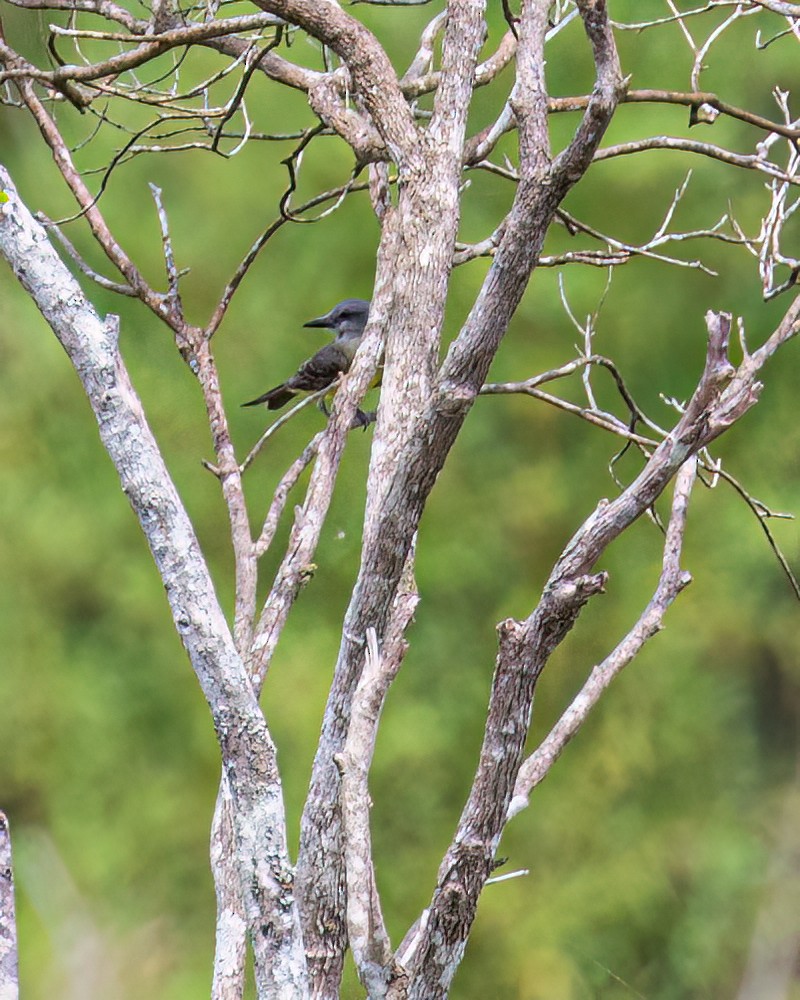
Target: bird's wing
<point x="320" y="370"/>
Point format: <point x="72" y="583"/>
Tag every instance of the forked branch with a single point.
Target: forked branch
<point x="671" y="582"/>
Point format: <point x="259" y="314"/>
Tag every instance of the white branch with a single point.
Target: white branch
<point x="9" y="965"/>
<point x="369" y="939"/>
<point x="248" y="753"/>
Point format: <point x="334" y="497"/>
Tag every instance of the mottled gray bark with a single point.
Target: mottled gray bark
<point x="248" y="754"/>
<point x="9" y="963"/>
<point x="425" y="409"/>
<point x="300" y="944"/>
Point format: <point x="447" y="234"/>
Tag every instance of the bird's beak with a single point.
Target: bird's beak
<point x="320" y="321"/>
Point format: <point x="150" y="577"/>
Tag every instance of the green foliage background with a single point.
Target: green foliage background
<point x="656" y="839"/>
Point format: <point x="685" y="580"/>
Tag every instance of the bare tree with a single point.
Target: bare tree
<point x="412" y="155"/>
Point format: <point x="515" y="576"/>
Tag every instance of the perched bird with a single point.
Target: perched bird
<point x="347" y="320"/>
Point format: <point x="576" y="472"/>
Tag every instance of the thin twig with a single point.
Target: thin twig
<point x="284" y="418"/>
<point x="120" y="288"/>
<point x="251" y="255"/>
<point x="281" y="494"/>
<point x="762" y="514"/>
<point x="173" y="277"/>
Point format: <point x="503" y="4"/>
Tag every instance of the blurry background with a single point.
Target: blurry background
<point x="662" y="848"/>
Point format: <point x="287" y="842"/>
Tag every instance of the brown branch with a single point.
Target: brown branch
<point x="687" y="99"/>
<point x="366" y="930"/>
<point x="608" y="91"/>
<point x="112" y="286"/>
<point x="187" y="34"/>
<point x="676" y="16"/>
<point x="172" y="300"/>
<point x="423" y="59"/>
<point x="230" y="477"/>
<point x="196" y="351"/>
<point x="414" y="86"/>
<point x="617" y="252"/>
<point x="581" y="364"/>
<point x="605" y="421"/>
<point x="271" y="64"/>
<point x="762" y="513"/>
<point x="225" y="299"/>
<point x="275" y="426"/>
<point x="146" y="50"/>
<point x="747" y="161"/>
<point x="251" y="65"/>
<point x="327" y="98"/>
<point x="482" y="143"/>
<point x="103" y="8"/>
<point x="372" y="73"/>
<point x="83" y="196"/>
<point x="647" y="249"/>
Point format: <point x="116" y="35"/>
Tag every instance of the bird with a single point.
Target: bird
<point x="347" y="319"/>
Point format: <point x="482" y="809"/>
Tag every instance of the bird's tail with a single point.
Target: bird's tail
<point x="275" y="398"/>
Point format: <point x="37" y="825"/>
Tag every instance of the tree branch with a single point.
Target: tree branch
<point x="97" y="223"/>
<point x="434" y="946"/>
<point x="424" y="224"/>
<point x="369" y="939"/>
<point x="147" y="49"/>
<point x="230" y="951"/>
<point x="372" y="73"/>
<point x="779" y="7"/>
<point x="248" y="753"/>
<point x="671" y="582"/>
<point x="609" y="89"/>
<point x="688" y="99"/>
<point x="9" y="962"/>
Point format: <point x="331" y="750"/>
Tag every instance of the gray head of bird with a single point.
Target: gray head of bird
<point x="347" y="319"/>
